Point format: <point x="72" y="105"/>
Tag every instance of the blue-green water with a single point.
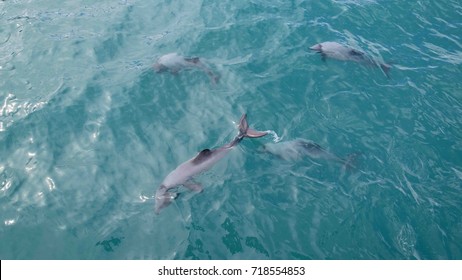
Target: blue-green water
<point x="88" y="131"/>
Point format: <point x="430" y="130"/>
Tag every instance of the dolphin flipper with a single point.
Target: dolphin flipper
<point x="386" y="69"/>
<point x="198" y="63"/>
<point x="193" y="186"/>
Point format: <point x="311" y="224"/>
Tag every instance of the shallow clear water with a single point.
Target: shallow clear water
<point x="88" y="130"/>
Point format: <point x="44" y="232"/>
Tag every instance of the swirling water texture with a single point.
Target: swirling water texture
<point x="88" y="130"/>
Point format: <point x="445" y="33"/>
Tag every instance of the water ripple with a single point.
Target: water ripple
<point x="88" y="130"/>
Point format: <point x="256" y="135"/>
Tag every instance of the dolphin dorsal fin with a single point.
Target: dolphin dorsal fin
<point x="201" y="156"/>
<point x="194" y="60"/>
<point x="356" y="52"/>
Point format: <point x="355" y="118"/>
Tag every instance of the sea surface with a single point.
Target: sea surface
<point x="88" y="130"/>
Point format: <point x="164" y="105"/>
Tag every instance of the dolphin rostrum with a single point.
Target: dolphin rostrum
<point x="203" y="161"/>
<point x="174" y="63"/>
<point x="337" y="51"/>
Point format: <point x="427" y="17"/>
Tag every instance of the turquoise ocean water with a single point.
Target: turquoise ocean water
<point x="88" y="130"/>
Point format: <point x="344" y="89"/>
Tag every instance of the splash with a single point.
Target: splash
<point x="276" y="137"/>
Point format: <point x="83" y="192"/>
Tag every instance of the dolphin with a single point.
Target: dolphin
<point x="174" y="63"/>
<point x="294" y="150"/>
<point x="203" y="161"/>
<point x="337" y="51"/>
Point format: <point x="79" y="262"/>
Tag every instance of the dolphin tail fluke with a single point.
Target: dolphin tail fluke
<point x="163" y="199"/>
<point x="245" y="131"/>
<point x="350" y="162"/>
<point x="252" y="133"/>
<point x="214" y="79"/>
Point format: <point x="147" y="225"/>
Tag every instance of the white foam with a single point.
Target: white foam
<point x="276" y="137"/>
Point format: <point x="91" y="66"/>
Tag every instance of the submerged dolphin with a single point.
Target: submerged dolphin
<point x="203" y="161"/>
<point x="174" y="63"/>
<point x="298" y="148"/>
<point x="337" y="51"/>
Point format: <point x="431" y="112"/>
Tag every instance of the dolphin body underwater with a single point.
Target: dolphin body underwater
<point x="338" y="51"/>
<point x="294" y="150"/>
<point x="174" y="63"/>
<point x="203" y="161"/>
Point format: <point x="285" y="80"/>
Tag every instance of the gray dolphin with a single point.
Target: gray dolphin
<point x="174" y="63"/>
<point x="337" y="51"/>
<point x="296" y="149"/>
<point x="203" y="161"/>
